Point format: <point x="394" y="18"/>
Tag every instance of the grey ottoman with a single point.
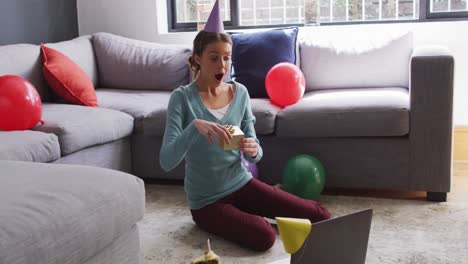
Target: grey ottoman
<point x="52" y="213"/>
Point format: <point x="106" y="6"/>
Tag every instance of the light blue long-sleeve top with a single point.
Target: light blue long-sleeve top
<point x="211" y="173"/>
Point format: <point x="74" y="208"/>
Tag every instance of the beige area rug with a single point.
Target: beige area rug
<point x="403" y="231"/>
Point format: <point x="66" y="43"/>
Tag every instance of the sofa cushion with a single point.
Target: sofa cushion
<point x="265" y="114"/>
<point x="149" y="108"/>
<point x="24" y="60"/>
<point x="133" y="64"/>
<point x="330" y="61"/>
<point x="78" y="127"/>
<point x="67" y="78"/>
<point x="347" y="113"/>
<point x="54" y="213"/>
<point x="29" y="146"/>
<point x="265" y="49"/>
<point x="80" y="50"/>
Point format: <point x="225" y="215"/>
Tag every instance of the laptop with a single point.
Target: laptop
<point x="342" y="239"/>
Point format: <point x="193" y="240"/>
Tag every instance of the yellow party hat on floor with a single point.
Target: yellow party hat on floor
<point x="293" y="232"/>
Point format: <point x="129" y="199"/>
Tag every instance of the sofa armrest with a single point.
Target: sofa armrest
<point x="431" y="102"/>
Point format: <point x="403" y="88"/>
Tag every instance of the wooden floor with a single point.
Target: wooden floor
<point x="459" y="188"/>
<point x="460" y="182"/>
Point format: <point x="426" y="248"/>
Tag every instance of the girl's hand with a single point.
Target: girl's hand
<point x="208" y="129"/>
<point x="249" y="147"/>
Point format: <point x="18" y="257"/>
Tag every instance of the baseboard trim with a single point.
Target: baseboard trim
<point x="460" y="143"/>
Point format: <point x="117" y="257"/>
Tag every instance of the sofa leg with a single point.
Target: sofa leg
<point x="436" y="196"/>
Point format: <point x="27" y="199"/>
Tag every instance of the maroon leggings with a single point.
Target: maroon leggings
<point x="238" y="217"/>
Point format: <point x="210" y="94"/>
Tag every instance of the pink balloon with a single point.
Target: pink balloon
<point x="20" y="104"/>
<point x="285" y="84"/>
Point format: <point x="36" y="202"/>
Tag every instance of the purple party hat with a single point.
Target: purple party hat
<point x="214" y="22"/>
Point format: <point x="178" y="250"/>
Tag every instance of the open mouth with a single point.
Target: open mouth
<point x="219" y="76"/>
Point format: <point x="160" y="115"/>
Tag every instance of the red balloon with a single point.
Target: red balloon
<point x="285" y="84"/>
<point x="20" y="104"/>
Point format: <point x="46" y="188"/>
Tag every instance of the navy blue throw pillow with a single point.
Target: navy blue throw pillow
<point x="253" y="55"/>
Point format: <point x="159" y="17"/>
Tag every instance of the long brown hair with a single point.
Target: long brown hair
<point x="203" y="39"/>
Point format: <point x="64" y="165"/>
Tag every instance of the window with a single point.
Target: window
<point x="193" y="10"/>
<point x="270" y="12"/>
<point x="188" y="14"/>
<point x="447" y="8"/>
<point x="363" y="10"/>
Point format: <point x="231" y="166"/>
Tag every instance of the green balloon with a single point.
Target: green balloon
<point x="304" y="176"/>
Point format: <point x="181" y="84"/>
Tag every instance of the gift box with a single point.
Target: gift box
<point x="237" y="136"/>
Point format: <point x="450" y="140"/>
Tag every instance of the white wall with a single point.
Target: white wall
<point x="133" y="19"/>
<point x="147" y="20"/>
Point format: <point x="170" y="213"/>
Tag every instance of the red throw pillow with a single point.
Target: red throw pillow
<point x="67" y="78"/>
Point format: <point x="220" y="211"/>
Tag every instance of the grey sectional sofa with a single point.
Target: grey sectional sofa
<point x="379" y="118"/>
<point x="389" y="128"/>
